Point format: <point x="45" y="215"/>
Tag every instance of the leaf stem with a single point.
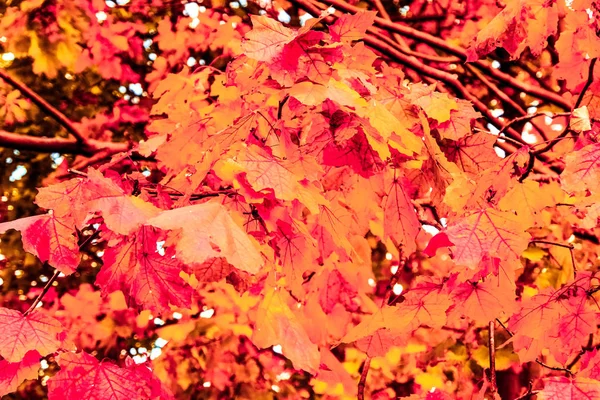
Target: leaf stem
<point x="40" y="296"/>
<point x="363" y="379"/>
<point x="492" y="350"/>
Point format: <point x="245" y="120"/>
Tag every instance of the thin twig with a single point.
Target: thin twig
<point x="492" y="350"/>
<point x="40" y="296"/>
<point x="588" y="83"/>
<point x="363" y="379"/>
<point x="44" y="105"/>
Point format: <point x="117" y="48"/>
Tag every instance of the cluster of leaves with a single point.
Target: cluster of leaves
<point x="309" y="218"/>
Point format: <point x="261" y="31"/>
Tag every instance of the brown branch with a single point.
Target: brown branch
<point x="363" y="379"/>
<point x="44" y="105"/>
<point x="59" y="145"/>
<point x="40" y="296"/>
<point x="436" y="42"/>
<point x="587" y="85"/>
<point x="492" y="350"/>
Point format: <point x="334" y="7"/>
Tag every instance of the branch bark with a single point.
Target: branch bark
<point x="59" y="145"/>
<point x="44" y="105"/>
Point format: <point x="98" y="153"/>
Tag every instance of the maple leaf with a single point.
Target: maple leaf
<point x="23" y="333"/>
<point x="485" y="301"/>
<point x="580" y="172"/>
<point x="473" y="153"/>
<point x="49" y="239"/>
<point x="401" y="224"/>
<point x="267" y="38"/>
<point x="487" y="232"/>
<point x="147" y="278"/>
<point x="349" y="28"/>
<point x="205" y="226"/>
<point x="82" y="376"/>
<point x="12" y="374"/>
<point x="276" y="324"/>
<point x="569" y="389"/>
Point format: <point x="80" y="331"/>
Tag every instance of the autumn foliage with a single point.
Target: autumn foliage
<point x="300" y="200"/>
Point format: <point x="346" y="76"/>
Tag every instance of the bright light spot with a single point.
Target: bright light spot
<point x="127" y="97"/>
<point x="244" y="3"/>
<point x="531" y="110"/>
<point x="177" y="315"/>
<point x="304" y="18"/>
<point x="61" y="275"/>
<point x="191" y="10"/>
<point x="132" y="351"/>
<point x="147" y="43"/>
<point x="493" y="129"/>
<point x="234" y="4"/>
<point x="539" y="74"/>
<point x="499" y="152"/>
<point x="147" y="173"/>
<point x="44" y="364"/>
<point x="110" y="3"/>
<point x="544" y="270"/>
<point x="394" y="269"/>
<point x="3" y="39"/>
<point x="284" y="376"/>
<point x="19" y="273"/>
<point x="43" y="278"/>
<point x="556" y="127"/>
<point x="432" y="390"/>
<point x="101" y="16"/>
<point x="206" y="384"/>
<point x="496" y="64"/>
<point x="388" y="256"/>
<point x="526" y="135"/>
<point x="590" y="13"/>
<point x="9" y="160"/>
<point x="284" y="17"/>
<point x="404" y="10"/>
<point x="1" y="281"/>
<point x="152" y="56"/>
<point x="497" y="112"/>
<point x="547" y="120"/>
<point x="140" y="359"/>
<point x="432" y="230"/>
<point x="331" y="10"/>
<point x="8" y="56"/>
<point x="371" y="282"/>
<point x="161" y="250"/>
<point x="207" y="313"/>
<point x="277" y="349"/>
<point x="158" y="321"/>
<point x="155" y="352"/>
<point x="202" y="9"/>
<point x="397" y="289"/>
<point x="4" y="198"/>
<point x="122" y="2"/>
<point x="571" y="239"/>
<point x="136" y="88"/>
<point x="195" y="22"/>
<point x="191" y="62"/>
<point x="160" y="342"/>
<point x="275" y="388"/>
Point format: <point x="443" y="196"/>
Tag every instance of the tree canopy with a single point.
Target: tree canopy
<point x="295" y="199"/>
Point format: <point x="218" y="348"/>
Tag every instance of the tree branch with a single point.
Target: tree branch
<point x="363" y="379"/>
<point x="492" y="350"/>
<point x="40" y="296"/>
<point x="59" y="145"/>
<point x="44" y="105"/>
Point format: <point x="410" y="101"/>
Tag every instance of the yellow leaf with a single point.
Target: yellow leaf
<point x="534" y="253"/>
<point x="176" y="332"/>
